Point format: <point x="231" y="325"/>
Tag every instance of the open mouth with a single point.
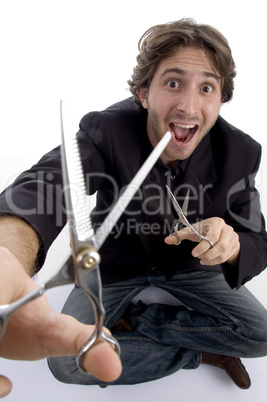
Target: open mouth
<point x="183" y="133"/>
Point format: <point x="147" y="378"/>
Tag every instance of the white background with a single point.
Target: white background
<point x="85" y="50"/>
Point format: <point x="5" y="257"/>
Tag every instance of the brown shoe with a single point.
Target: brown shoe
<point x="232" y="365"/>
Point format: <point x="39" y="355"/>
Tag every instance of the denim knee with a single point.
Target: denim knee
<point x="256" y="333"/>
<point x="65" y="370"/>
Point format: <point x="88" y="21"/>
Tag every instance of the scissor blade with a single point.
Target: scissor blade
<point x="122" y="203"/>
<point x="73" y="179"/>
<point x="186" y="202"/>
<point x="175" y="204"/>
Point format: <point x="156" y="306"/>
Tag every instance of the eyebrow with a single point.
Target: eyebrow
<point x="182" y="72"/>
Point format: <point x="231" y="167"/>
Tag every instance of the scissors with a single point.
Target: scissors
<point x="82" y="267"/>
<point x="182" y="212"/>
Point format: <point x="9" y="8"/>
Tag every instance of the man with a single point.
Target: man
<point x="184" y="74"/>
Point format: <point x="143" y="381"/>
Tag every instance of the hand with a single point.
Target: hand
<point x="36" y="331"/>
<point x="225" y="239"/>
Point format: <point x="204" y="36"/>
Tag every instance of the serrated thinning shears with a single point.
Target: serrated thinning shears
<point x="82" y="267"/>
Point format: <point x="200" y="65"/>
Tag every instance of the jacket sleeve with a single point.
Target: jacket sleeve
<point x="244" y="214"/>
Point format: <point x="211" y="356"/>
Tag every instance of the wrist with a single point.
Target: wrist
<point x="234" y="260"/>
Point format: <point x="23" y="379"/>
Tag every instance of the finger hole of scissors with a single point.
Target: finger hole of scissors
<point x="177" y="235"/>
<point x="208" y="240"/>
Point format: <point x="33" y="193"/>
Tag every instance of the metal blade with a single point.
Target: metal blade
<point x="175" y="204"/>
<point x="186" y="202"/>
<point x="73" y="179"/>
<point x="122" y="203"/>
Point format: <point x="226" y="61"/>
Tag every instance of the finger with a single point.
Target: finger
<point x="179" y="235"/>
<point x="172" y="240"/>
<point x="5" y="386"/>
<point x="67" y="338"/>
<point x="103" y="362"/>
<point x="226" y="248"/>
<point x="202" y="249"/>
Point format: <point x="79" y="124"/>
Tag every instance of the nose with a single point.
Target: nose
<point x="188" y="103"/>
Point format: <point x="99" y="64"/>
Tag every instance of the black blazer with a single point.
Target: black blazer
<point x="114" y="144"/>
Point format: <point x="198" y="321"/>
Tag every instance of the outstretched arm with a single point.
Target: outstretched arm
<point x="19" y="237"/>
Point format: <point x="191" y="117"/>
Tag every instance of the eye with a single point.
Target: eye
<point x="207" y="89"/>
<point x="173" y="84"/>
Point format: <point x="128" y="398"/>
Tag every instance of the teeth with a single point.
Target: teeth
<point x="185" y="125"/>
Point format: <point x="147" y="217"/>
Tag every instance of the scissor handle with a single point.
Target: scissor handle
<point x="97" y="337"/>
<point x="89" y="279"/>
<point x="207" y="239"/>
<point x="184" y="221"/>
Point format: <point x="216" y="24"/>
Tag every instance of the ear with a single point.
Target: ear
<point x="142" y="93"/>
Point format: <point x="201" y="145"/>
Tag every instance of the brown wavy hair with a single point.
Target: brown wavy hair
<point x="160" y="41"/>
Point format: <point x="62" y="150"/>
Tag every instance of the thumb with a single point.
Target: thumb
<point x="179" y="235"/>
<point x="100" y="360"/>
<point x="172" y="239"/>
<point x="103" y="362"/>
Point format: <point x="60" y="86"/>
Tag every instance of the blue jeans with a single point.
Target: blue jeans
<point x="165" y="339"/>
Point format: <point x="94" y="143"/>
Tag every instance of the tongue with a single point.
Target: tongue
<point x="179" y="132"/>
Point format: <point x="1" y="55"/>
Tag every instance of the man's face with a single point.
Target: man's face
<point x="184" y="97"/>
